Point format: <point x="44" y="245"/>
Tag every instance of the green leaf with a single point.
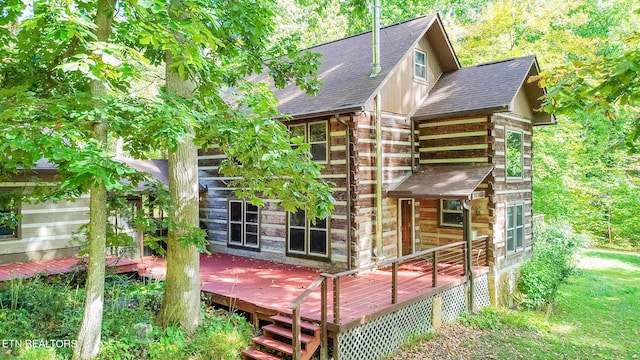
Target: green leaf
<point x="146" y="3"/>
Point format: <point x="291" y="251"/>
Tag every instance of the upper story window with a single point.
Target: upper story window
<point x="244" y="224"/>
<point x="515" y="228"/>
<point x="451" y="212"/>
<point x="419" y="65"/>
<point x="317" y="135"/>
<point x="514" y="154"/>
<point x="9" y="215"/>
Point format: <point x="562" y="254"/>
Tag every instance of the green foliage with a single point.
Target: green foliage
<point x="488" y="318"/>
<point x="552" y="262"/>
<point x="46" y="308"/>
<point x="46" y="110"/>
<point x="595" y="314"/>
<point x="605" y="84"/>
<point x="581" y="178"/>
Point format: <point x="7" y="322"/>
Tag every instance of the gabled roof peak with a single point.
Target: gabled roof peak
<point x="465" y="92"/>
<point x="505" y="60"/>
<point x="346" y="66"/>
<point x="409" y="31"/>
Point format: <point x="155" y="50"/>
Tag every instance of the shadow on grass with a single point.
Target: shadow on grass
<point x="628" y="258"/>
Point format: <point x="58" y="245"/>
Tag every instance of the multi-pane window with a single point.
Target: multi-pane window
<point x="9" y="215"/>
<point x="514" y="154"/>
<point x="317" y="135"/>
<point x="451" y="212"/>
<point x="244" y="224"/>
<point x="420" y="65"/>
<point x="307" y="238"/>
<point x="515" y="228"/>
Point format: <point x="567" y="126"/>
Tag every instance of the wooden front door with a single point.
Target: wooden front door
<point x="406" y="223"/>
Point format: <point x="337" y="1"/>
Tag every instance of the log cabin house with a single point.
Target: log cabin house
<point x="422" y="153"/>
<point x="431" y="166"/>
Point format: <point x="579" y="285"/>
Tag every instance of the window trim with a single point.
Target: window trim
<point x="515" y="228"/>
<point x="17" y="209"/>
<point x="415" y="63"/>
<point x="442" y="211"/>
<point x="308" y="227"/>
<point x="506" y="154"/>
<point x="243" y="223"/>
<point x="307" y="137"/>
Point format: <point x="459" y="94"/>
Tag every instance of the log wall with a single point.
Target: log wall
<point x="398" y="159"/>
<point x="481" y="140"/>
<point x="455" y="141"/>
<point x="511" y="191"/>
<point x="273" y="218"/>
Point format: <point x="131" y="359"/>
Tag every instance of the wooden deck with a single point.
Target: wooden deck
<point x="263" y="288"/>
<point x="60" y="266"/>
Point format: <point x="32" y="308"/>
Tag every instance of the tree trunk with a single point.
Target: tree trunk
<point x="90" y="330"/>
<point x="181" y="302"/>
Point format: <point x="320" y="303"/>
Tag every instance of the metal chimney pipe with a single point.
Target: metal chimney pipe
<point x="376" y="39"/>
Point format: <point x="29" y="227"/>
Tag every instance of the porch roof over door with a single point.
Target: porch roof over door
<point x="442" y="182"/>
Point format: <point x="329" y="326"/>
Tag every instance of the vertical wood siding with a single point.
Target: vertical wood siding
<point x="402" y="93"/>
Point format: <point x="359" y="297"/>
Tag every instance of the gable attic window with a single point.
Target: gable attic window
<point x="450" y="212"/>
<point x="9" y="215"/>
<point x="419" y="65"/>
<point x="317" y="135"/>
<point x="514" y="155"/>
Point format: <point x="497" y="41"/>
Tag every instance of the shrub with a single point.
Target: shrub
<point x="552" y="262"/>
<point x="54" y="311"/>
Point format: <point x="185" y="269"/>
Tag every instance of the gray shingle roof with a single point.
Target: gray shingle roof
<point x="480" y="88"/>
<point x="346" y="66"/>
<point x="440" y="182"/>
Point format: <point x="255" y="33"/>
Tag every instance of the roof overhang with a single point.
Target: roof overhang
<point x="535" y="95"/>
<point x="442" y="182"/>
<point x="543" y="118"/>
<point x="158" y="169"/>
<point x="329" y="112"/>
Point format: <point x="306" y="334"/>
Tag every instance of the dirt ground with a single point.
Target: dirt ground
<point x="452" y="341"/>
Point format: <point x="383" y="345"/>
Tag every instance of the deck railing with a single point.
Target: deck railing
<point x="445" y="260"/>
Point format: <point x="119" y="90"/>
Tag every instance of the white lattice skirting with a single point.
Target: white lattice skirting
<point x="384" y="335"/>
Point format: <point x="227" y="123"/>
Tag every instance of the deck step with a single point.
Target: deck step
<point x="258" y="355"/>
<point x="289" y="321"/>
<point x="284" y="332"/>
<point x="275" y="345"/>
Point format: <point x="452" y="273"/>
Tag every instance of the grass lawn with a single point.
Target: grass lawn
<point x="596" y="316"/>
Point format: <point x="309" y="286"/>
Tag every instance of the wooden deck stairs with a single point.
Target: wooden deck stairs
<point x="275" y="343"/>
